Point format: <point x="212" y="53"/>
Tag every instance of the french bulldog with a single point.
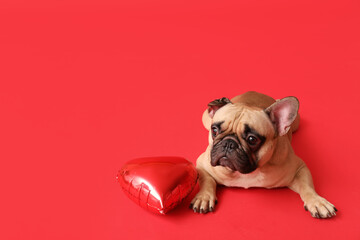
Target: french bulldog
<point x="250" y="146"/>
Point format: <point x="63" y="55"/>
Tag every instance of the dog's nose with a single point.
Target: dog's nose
<point x="229" y="145"/>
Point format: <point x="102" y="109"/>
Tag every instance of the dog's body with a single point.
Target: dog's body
<point x="250" y="146"/>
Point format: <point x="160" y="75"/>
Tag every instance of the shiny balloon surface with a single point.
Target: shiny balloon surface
<point x="158" y="184"/>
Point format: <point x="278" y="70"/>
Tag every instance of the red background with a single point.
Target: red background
<point x="88" y="85"/>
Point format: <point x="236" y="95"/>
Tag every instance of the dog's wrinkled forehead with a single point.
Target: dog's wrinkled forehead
<point x="234" y="117"/>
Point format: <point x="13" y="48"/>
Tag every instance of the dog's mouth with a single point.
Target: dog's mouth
<point x="225" y="162"/>
<point x="234" y="164"/>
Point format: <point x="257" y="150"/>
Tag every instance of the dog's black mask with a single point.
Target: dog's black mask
<point x="228" y="152"/>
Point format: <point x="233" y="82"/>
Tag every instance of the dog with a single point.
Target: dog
<point x="250" y="146"/>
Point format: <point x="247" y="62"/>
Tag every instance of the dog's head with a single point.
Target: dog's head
<point x="243" y="138"/>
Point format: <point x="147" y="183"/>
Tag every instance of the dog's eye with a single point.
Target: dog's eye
<point x="252" y="140"/>
<point x="214" y="131"/>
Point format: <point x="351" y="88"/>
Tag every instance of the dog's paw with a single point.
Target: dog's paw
<point x="203" y="202"/>
<point x="319" y="207"/>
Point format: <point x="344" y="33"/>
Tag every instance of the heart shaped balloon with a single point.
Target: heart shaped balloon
<point x="158" y="184"/>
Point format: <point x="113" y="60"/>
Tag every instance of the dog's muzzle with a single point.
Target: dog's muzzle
<point x="228" y="152"/>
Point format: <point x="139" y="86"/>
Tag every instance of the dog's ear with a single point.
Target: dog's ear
<point x="212" y="108"/>
<point x="282" y="114"/>
<point x="216" y="105"/>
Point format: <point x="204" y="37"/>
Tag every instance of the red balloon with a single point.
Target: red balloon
<point x="158" y="184"/>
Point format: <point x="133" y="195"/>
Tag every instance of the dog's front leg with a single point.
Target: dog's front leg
<point x="205" y="199"/>
<point x="303" y="184"/>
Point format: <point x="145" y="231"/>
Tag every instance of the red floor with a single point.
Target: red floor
<point x="87" y="85"/>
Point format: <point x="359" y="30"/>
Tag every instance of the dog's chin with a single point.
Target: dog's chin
<point x="248" y="170"/>
<point x="233" y="165"/>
